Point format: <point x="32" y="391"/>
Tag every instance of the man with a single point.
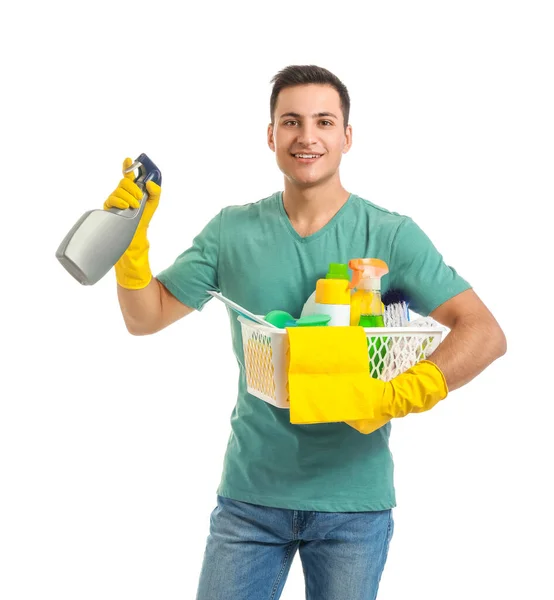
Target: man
<point x="323" y="489"/>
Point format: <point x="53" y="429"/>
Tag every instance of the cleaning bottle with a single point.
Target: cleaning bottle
<point x="331" y="296"/>
<point x="100" y="237"/>
<point x="368" y="307"/>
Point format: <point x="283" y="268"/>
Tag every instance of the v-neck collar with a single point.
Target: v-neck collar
<point x="314" y="236"/>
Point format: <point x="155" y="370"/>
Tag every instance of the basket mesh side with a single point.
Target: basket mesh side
<point x="391" y="355"/>
<point x="258" y="360"/>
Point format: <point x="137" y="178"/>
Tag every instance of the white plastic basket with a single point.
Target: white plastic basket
<point x="391" y="351"/>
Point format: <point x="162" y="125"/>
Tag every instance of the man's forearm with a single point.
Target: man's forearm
<point x="141" y="309"/>
<point x="470" y="347"/>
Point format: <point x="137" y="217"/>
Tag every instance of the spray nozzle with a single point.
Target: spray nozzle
<point x="371" y="269"/>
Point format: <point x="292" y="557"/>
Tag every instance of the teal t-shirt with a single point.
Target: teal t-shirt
<point x="253" y="255"/>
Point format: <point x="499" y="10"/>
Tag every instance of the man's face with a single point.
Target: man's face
<point x="308" y="135"/>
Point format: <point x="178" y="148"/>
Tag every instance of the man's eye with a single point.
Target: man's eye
<point x="326" y="123"/>
<point x="290" y="122"/>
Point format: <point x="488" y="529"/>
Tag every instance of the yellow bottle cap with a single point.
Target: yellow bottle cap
<point x="332" y="291"/>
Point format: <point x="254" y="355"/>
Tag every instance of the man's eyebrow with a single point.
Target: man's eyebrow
<point x="320" y="114"/>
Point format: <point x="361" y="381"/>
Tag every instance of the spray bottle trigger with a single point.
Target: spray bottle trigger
<point x="148" y="171"/>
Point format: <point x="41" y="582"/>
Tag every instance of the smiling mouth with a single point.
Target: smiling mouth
<point x="305" y="156"/>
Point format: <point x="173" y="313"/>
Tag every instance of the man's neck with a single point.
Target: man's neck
<point x="310" y="209"/>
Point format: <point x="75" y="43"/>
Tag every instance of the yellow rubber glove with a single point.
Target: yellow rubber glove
<point x="132" y="270"/>
<point x="416" y="390"/>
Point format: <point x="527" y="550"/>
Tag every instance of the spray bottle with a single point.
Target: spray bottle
<point x="367" y="307"/>
<point x="100" y="237"/>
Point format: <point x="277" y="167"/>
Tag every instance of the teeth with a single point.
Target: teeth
<point x="307" y="155"/>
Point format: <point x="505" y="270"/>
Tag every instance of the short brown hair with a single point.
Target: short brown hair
<point x="304" y="74"/>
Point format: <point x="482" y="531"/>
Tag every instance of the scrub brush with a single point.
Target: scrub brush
<point x="396" y="308"/>
<point x="396" y="315"/>
<point x="406" y="351"/>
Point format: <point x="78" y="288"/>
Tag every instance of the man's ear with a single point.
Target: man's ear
<point x="347" y="139"/>
<point x="270" y="140"/>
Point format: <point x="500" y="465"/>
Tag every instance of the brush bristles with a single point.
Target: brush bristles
<point x="394" y="296"/>
<point x="396" y="315"/>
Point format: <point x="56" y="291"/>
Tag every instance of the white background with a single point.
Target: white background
<point x="111" y="446"/>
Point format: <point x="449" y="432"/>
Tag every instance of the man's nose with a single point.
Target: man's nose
<point x="307" y="134"/>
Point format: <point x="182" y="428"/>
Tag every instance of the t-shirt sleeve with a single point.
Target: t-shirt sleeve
<point x="195" y="271"/>
<point x="418" y="269"/>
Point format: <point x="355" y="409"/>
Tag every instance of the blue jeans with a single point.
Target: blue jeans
<point x="250" y="550"/>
